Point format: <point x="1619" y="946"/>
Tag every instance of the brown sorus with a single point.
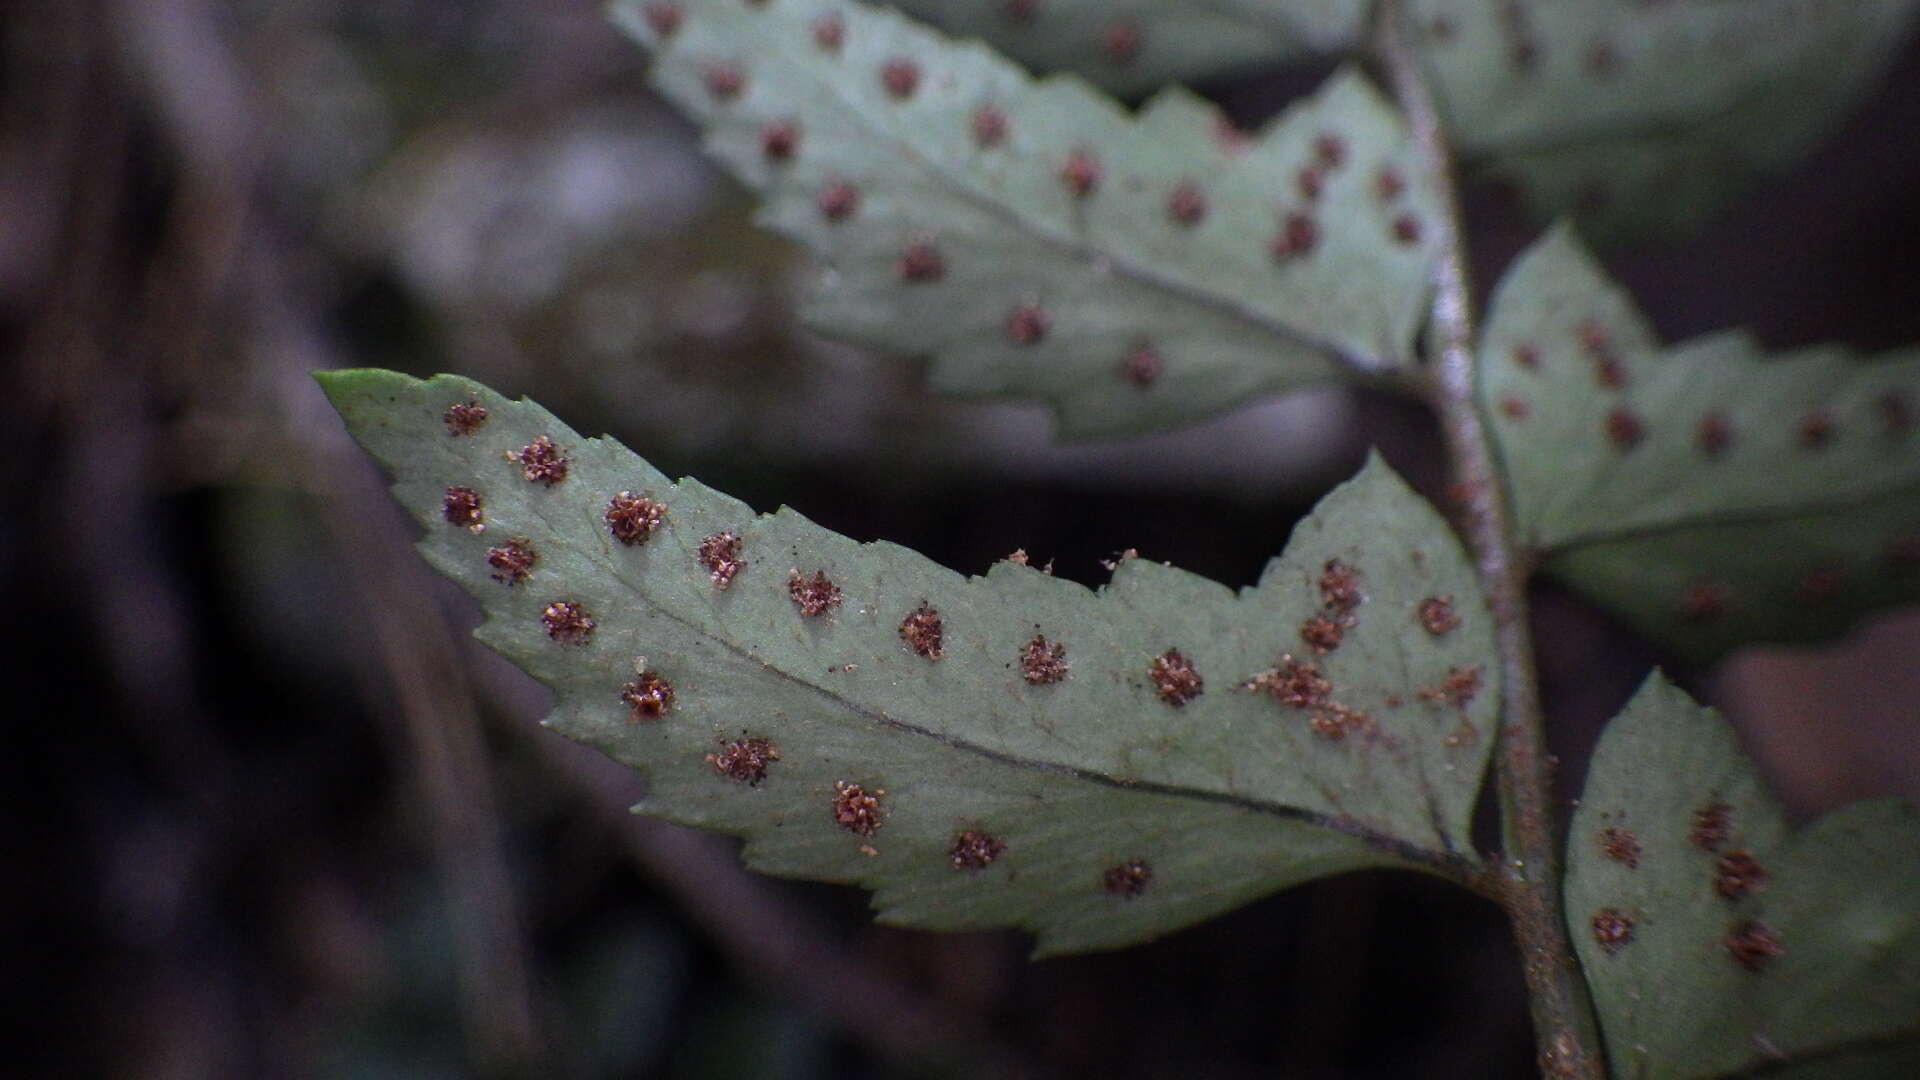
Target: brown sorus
<point x="1437" y="615"/>
<point x="975" y="850"/>
<point x="1712" y="826"/>
<point x="512" y="561"/>
<point x="1332" y="720"/>
<point x="780" y="140"/>
<point x="921" y="262"/>
<point x="1322" y="634"/>
<point x="1458" y="689"/>
<point x="829" y="31"/>
<point x="838" y="200"/>
<point x="567" y="622"/>
<point x="465" y="418"/>
<point x="1331" y="149"/>
<point x="1609" y="371"/>
<point x="1612" y="929"/>
<point x="855" y="809"/>
<point x="1293" y="682"/>
<point x="724" y="81"/>
<point x="1142" y="365"/>
<point x="1753" y="944"/>
<point x="923" y="631"/>
<point x="1624" y="428"/>
<point x="1081" y="174"/>
<point x="720" y="554"/>
<point x="1339" y="587"/>
<point x="1175" y="678"/>
<point x="900" y="77"/>
<point x="989" y="126"/>
<point x="745" y="759"/>
<point x="663" y="18"/>
<point x="1387" y="185"/>
<point x="1186" y="204"/>
<point x="462" y="507"/>
<point x="1738" y="874"/>
<point x="1621" y="846"/>
<point x="1127" y="880"/>
<point x="814" y="595"/>
<point x="633" y="519"/>
<point x="1297" y="236"/>
<point x="1043" y="661"/>
<point x="1027" y="324"/>
<point x="1714" y="435"/>
<point x="541" y="462"/>
<point x="648" y="695"/>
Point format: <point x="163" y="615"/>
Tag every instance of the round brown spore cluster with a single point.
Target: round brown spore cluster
<point x="1175" y="678"/>
<point x="745" y="760"/>
<point x="513" y="561"/>
<point x="567" y="622"/>
<point x="1043" y="662"/>
<point x="815" y="595"/>
<point x="720" y="554"/>
<point x="461" y="506"/>
<point x="633" y="519"/>
<point x="973" y="849"/>
<point x="541" y="462"/>
<point x="648" y="696"/>
<point x="924" y="631"/>
<point x="1127" y="880"/>
<point x="856" y="809"/>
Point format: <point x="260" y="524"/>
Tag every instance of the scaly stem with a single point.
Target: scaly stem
<point x="1562" y="1015"/>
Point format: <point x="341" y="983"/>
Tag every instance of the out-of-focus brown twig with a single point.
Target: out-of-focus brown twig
<point x="771" y="940"/>
<point x="181" y="66"/>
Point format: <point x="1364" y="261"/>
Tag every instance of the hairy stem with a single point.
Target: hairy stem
<point x="1562" y="1015"/>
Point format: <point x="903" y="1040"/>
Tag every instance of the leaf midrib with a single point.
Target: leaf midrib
<point x="1757" y="518"/>
<point x="1771" y="1065"/>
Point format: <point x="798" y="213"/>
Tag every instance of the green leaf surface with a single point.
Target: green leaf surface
<point x="1039" y="241"/>
<point x="1709" y="493"/>
<point x="1640" y="117"/>
<point x="1226" y="796"/>
<point x="1718" y="941"/>
<point x="1131" y="46"/>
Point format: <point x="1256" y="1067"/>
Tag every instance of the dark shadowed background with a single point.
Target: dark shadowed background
<point x="271" y="812"/>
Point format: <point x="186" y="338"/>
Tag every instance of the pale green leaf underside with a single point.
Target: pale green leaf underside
<point x="1765" y="497"/>
<point x="1639" y="117"/>
<point x="1841" y="998"/>
<point x="1131" y="46"/>
<point x="1111" y="272"/>
<point x="1228" y="797"/>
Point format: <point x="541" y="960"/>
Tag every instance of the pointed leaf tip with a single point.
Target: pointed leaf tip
<point x="1790" y="947"/>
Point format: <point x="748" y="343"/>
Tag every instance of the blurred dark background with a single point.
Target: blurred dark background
<point x="270" y="811"/>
